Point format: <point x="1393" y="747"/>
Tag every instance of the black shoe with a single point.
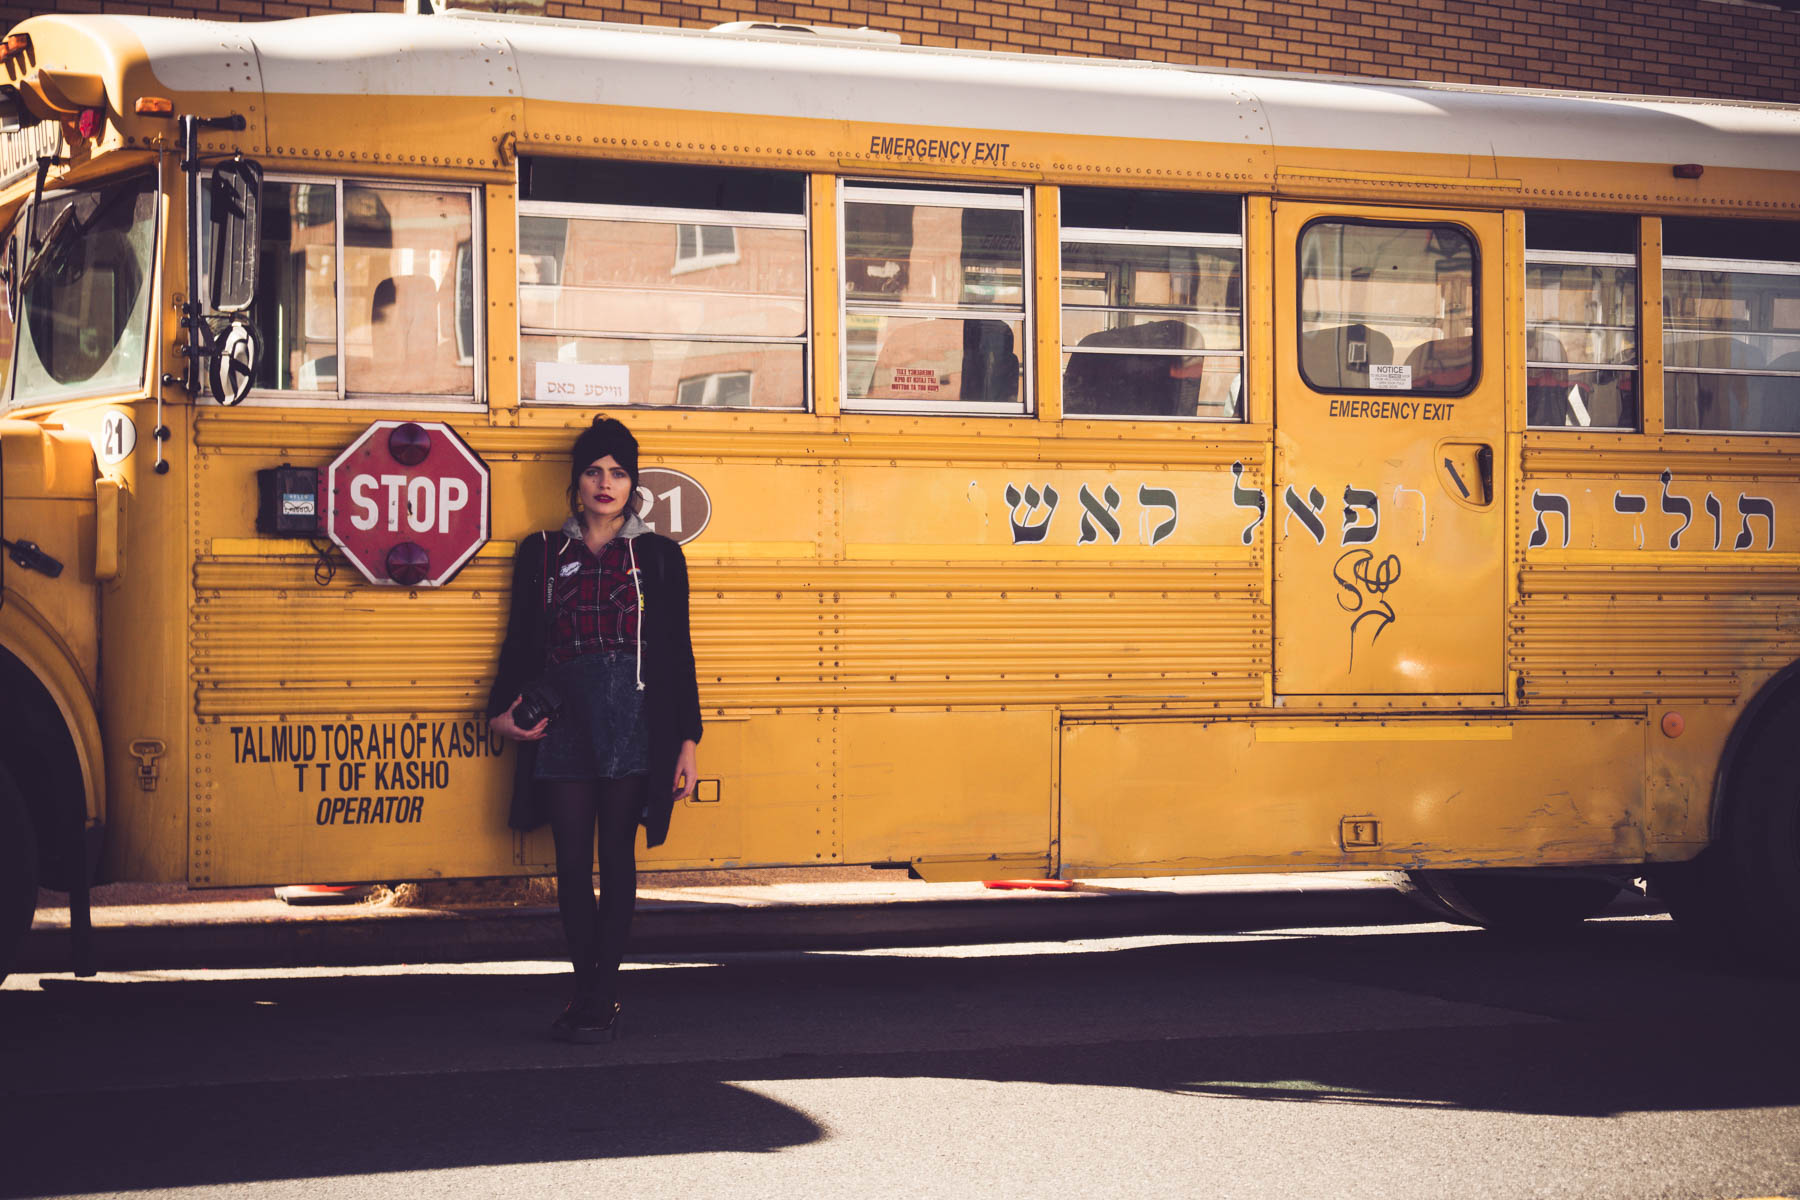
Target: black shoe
<point x="587" y="1020"/>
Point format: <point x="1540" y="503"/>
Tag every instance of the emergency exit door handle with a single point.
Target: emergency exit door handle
<point x="1466" y="471"/>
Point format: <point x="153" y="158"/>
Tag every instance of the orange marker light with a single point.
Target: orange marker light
<point x="154" y="106"/>
<point x="17" y="44"/>
<point x="88" y="123"/>
<point x="1672" y="724"/>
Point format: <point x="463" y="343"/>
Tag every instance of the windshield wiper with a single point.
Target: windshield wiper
<point x="35" y="258"/>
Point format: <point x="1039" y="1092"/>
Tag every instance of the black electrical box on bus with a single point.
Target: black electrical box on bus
<point x="288" y="501"/>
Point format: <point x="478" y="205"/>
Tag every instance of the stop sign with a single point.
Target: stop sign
<point x="407" y="502"/>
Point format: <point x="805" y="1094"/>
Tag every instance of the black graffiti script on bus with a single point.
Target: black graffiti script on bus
<point x="1101" y="510"/>
<point x="1309" y="510"/>
<point x="1548" y="502"/>
<point x="1245" y="497"/>
<point x="1149" y="498"/>
<point x="1365" y="582"/>
<point x="1022" y="509"/>
<point x="1356" y="501"/>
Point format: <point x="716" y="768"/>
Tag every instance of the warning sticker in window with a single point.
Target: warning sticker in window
<point x="915" y="379"/>
<point x="1390" y="378"/>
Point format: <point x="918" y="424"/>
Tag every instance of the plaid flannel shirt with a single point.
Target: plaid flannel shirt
<point x="596" y="600"/>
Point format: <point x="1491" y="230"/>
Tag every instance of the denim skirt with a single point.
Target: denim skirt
<point x="600" y="732"/>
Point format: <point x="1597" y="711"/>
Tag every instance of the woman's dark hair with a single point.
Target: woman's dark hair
<point x="605" y="436"/>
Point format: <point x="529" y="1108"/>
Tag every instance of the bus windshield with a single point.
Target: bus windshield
<point x="83" y="295"/>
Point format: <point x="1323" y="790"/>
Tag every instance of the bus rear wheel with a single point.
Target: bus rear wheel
<point x="18" y="871"/>
<point x="1743" y="892"/>
<point x="1523" y="903"/>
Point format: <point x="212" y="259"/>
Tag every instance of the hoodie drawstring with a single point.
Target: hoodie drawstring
<point x="638" y="584"/>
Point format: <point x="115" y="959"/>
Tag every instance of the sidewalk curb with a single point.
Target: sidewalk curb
<point x="487" y="935"/>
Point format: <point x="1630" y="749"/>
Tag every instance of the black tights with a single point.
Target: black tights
<point x="596" y="933"/>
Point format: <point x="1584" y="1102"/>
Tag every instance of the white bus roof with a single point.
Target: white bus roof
<point x="917" y="87"/>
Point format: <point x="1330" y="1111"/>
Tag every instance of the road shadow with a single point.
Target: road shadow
<point x="133" y="1085"/>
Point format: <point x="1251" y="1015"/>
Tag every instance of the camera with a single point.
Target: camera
<point x="537" y="702"/>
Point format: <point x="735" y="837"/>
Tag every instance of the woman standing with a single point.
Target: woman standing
<point x="598" y="638"/>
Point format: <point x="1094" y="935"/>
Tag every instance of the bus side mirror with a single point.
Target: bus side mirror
<point x="235" y="211"/>
<point x="15" y="117"/>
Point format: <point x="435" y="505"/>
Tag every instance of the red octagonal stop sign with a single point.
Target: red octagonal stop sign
<point x="408" y="503"/>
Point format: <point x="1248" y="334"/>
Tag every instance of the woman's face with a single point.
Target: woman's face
<point x="605" y="489"/>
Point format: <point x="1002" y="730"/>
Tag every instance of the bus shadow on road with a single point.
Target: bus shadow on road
<point x="128" y="1084"/>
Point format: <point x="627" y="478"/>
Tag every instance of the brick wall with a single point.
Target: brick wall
<point x="1731" y="48"/>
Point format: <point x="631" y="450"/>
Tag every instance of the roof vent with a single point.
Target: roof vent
<point x="821" y="33"/>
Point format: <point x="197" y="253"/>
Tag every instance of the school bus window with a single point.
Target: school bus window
<point x="642" y="305"/>
<point x="463" y="319"/>
<point x="83" y="291"/>
<point x="398" y="318"/>
<point x="700" y="246"/>
<point x="723" y="389"/>
<point x="1387" y="307"/>
<point x="1581" y="320"/>
<point x="934" y="298"/>
<point x="1139" y="300"/>
<point x="661" y="185"/>
<point x="1731" y="325"/>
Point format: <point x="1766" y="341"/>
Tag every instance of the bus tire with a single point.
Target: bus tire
<point x="18" y="871"/>
<point x="1520" y="903"/>
<point x="1750" y="879"/>
<point x="1417" y="886"/>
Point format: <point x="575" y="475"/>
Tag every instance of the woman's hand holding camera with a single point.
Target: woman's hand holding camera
<point x="506" y="727"/>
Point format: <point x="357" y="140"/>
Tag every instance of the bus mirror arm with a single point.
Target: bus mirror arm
<point x="235" y="190"/>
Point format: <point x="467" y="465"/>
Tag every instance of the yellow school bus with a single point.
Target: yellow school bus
<point x="1085" y="468"/>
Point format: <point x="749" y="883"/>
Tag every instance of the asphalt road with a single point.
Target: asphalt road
<point x="1372" y="1062"/>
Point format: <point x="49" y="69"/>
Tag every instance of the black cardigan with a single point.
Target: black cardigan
<point x="671" y="692"/>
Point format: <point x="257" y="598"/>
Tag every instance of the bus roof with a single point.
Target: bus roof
<point x="910" y="87"/>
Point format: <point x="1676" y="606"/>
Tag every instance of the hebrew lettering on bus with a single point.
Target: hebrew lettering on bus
<point x="1356" y="502"/>
<point x="1099" y="511"/>
<point x="1251" y="498"/>
<point x="1031" y="512"/>
<point x="1676" y="505"/>
<point x="368" y="772"/>
<point x="1755" y="506"/>
<point x="1028" y="526"/>
<point x="1310" y="511"/>
<point x="1150" y="499"/>
<point x="1548" y="502"/>
<point x="1756" y="516"/>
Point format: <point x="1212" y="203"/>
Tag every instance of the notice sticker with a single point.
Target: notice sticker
<point x="1390" y="378"/>
<point x="583" y="383"/>
<point x="915" y="379"/>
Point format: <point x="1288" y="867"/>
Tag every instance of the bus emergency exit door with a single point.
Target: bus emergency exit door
<point x="1387" y="502"/>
